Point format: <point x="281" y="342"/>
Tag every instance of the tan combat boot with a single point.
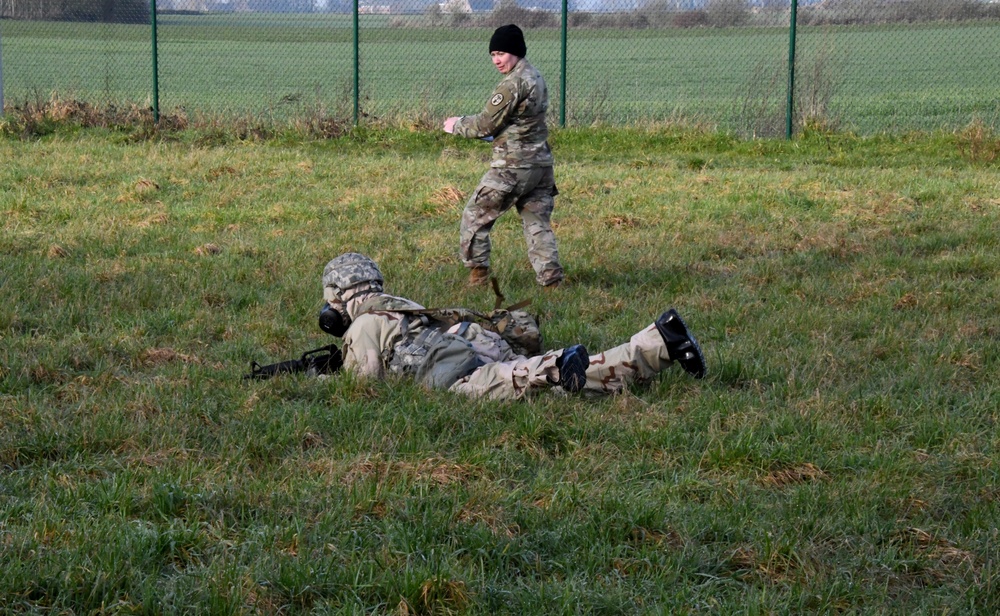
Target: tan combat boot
<point x="479" y="275"/>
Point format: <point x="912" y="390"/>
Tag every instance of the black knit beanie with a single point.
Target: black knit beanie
<point x="510" y="39"/>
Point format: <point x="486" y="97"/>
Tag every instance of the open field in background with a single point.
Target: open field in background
<point x="841" y="456"/>
<point x="869" y="79"/>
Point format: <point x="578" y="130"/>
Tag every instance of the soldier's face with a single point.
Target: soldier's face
<point x="504" y="61"/>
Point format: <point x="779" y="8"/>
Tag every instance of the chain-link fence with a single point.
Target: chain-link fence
<point x="863" y="65"/>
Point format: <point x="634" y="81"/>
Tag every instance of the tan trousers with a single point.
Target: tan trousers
<point x="641" y="358"/>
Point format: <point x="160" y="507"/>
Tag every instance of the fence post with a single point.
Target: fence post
<point x="357" y="64"/>
<point x="562" y="68"/>
<point x="1" y="70"/>
<point x="791" y="71"/>
<point x="156" y="71"/>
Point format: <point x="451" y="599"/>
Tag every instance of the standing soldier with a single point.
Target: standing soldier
<point x="521" y="172"/>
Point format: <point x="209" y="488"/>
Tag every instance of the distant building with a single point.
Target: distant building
<point x="196" y="6"/>
<point x="455" y="6"/>
<point x="466" y="6"/>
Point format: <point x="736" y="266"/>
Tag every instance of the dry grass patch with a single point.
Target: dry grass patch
<point x="942" y="554"/>
<point x="491" y="517"/>
<point x="41" y="374"/>
<point x="57" y="252"/>
<point x="627" y="403"/>
<point x="775" y="567"/>
<point x="207" y="250"/>
<point x="969" y="360"/>
<point x="446" y="198"/>
<point x="139" y="191"/>
<point x="155" y="219"/>
<point x="433" y="470"/>
<point x="145" y="185"/>
<point x="907" y="301"/>
<point x="320" y="126"/>
<point x="107" y="274"/>
<point x="224" y="170"/>
<point x="640" y="536"/>
<point x="977" y="143"/>
<point x="623" y="222"/>
<point x="437" y="596"/>
<point x="34" y="118"/>
<point x="166" y="355"/>
<point x="161" y="458"/>
<point x="801" y="473"/>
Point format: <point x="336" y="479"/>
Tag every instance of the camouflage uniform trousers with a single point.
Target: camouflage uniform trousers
<point x="532" y="192"/>
<point x="640" y="359"/>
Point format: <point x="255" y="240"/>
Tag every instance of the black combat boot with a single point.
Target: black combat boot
<point x="681" y="344"/>
<point x="572" y="365"/>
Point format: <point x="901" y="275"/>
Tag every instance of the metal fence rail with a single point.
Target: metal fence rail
<point x="738" y="65"/>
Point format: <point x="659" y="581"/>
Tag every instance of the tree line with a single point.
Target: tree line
<point x="109" y="11"/>
<point x="643" y="14"/>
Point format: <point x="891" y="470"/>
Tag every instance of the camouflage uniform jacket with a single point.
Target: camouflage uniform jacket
<point x="515" y="117"/>
<point x="437" y="347"/>
<point x="374" y="332"/>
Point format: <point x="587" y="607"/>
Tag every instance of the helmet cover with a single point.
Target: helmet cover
<point x="347" y="271"/>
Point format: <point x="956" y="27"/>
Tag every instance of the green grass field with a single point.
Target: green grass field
<point x="841" y="456"/>
<point x="868" y="79"/>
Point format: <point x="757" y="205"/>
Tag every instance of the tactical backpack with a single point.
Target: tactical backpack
<point x="438" y="358"/>
<point x="434" y="358"/>
<point x="519" y="328"/>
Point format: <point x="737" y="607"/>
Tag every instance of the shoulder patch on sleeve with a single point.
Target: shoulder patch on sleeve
<point x="503" y="95"/>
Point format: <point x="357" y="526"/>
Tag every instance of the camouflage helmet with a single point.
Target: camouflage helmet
<point x="348" y="271"/>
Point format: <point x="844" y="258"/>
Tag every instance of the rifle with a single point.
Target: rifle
<point x="311" y="361"/>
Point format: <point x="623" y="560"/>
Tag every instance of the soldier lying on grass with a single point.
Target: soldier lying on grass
<point x="496" y="356"/>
